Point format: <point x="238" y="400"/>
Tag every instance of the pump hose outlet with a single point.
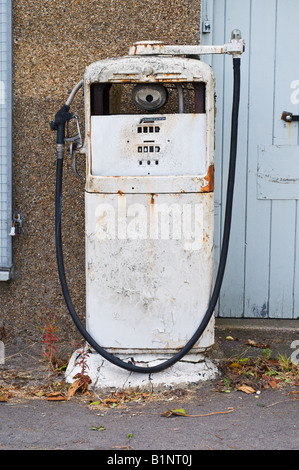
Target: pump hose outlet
<point x="223" y="255"/>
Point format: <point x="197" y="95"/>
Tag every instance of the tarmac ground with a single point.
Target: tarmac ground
<point x="242" y="409"/>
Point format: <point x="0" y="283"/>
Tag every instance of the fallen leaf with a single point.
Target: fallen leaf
<point x="272" y="383"/>
<point x="4" y="397"/>
<point x="182" y="412"/>
<point x="95" y="428"/>
<point x="235" y="364"/>
<point x="56" y="396"/>
<point x="109" y="401"/>
<point x="179" y="412"/>
<point x="245" y="388"/>
<point x="74" y="387"/>
<point x="253" y="343"/>
<point x="230" y="338"/>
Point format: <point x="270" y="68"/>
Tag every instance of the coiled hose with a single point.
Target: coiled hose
<point x="223" y="256"/>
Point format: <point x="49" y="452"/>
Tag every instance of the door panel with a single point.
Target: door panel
<point x="278" y="172"/>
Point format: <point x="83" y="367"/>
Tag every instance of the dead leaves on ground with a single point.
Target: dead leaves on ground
<point x="60" y="391"/>
<point x="56" y="396"/>
<point x="245" y="388"/>
<point x="52" y="391"/>
<point x="250" y="375"/>
<point x="80" y="385"/>
<point x="5" y="395"/>
<point x="122" y="397"/>
<point x="253" y="343"/>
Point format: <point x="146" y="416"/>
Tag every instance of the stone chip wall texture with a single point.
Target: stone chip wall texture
<point x="53" y="42"/>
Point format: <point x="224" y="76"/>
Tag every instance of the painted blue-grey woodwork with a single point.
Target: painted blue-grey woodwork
<point x="262" y="276"/>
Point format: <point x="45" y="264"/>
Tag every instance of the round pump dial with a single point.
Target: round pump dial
<point x="149" y="97"/>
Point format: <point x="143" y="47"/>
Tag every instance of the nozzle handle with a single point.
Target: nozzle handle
<point x="58" y="124"/>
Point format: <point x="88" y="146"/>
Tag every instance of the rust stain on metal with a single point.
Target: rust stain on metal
<point x="287" y="117"/>
<point x="209" y="179"/>
<point x="206" y="238"/>
<point x="165" y="78"/>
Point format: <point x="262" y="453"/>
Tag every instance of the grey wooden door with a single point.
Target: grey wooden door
<point x="262" y="276"/>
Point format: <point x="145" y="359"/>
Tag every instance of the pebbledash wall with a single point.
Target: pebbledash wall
<point x="52" y="43"/>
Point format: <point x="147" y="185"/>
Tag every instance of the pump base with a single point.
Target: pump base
<point x="194" y="367"/>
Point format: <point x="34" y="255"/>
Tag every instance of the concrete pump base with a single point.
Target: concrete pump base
<point x="194" y="367"/>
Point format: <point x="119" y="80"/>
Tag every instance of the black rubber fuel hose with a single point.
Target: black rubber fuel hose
<point x="222" y="262"/>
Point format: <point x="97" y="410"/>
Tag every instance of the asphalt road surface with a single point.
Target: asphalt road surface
<point x="231" y="421"/>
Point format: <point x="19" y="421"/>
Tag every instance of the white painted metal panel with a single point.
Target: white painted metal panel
<point x="164" y="69"/>
<point x="261" y="278"/>
<point x="149" y="262"/>
<point x="126" y="145"/>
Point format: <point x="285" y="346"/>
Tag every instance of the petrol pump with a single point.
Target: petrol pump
<point x="149" y="212"/>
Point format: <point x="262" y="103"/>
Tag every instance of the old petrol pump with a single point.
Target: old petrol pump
<point x="149" y="209"/>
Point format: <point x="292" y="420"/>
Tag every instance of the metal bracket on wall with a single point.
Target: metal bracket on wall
<point x="16" y="225"/>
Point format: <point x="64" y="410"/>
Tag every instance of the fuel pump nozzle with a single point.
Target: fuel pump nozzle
<point x="75" y="142"/>
<point x="60" y="120"/>
<point x="58" y="124"/>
